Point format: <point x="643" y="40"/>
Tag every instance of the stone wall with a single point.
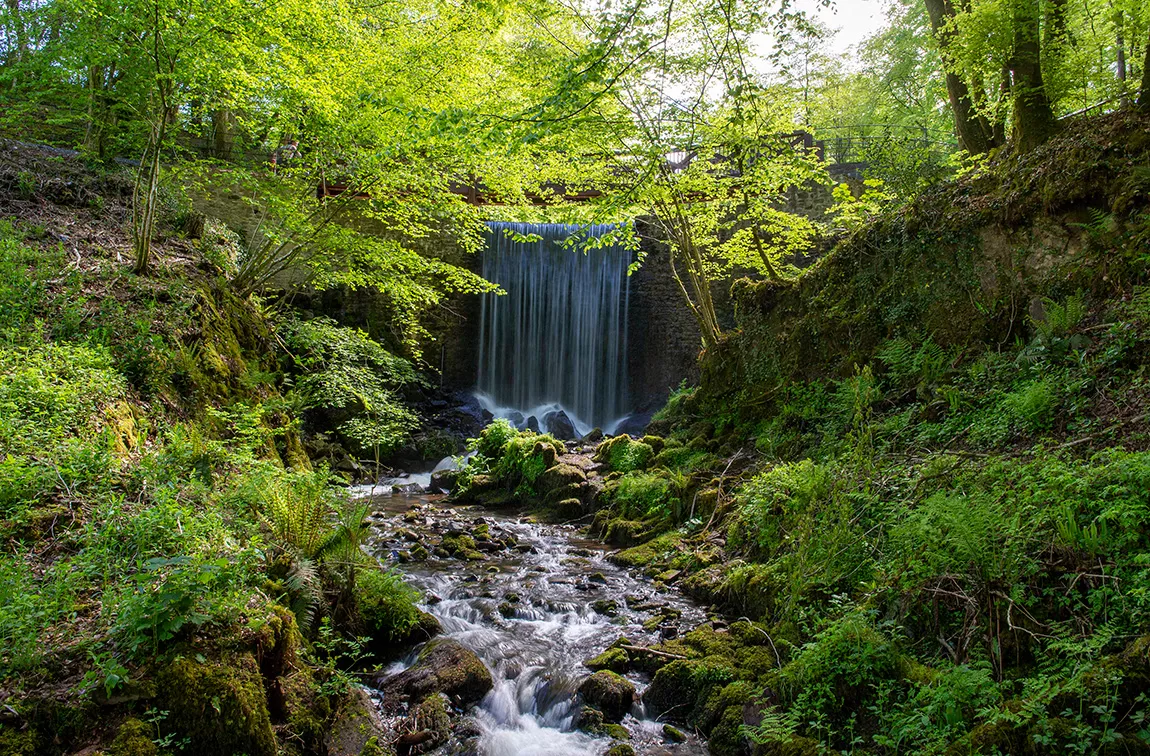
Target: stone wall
<point x="663" y="336"/>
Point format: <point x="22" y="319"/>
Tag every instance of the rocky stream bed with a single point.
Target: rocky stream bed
<point x="523" y="607"/>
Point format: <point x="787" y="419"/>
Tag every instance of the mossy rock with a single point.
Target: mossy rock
<point x="672" y="691"/>
<point x="134" y="738"/>
<point x="795" y="746"/>
<point x="559" y="476"/>
<point x="650" y="553"/>
<point x="620" y="749"/>
<point x="616" y="731"/>
<point x="673" y="734"/>
<point x="219" y="704"/>
<point x="724" y="739"/>
<point x="444" y="666"/>
<point x="610" y="693"/>
<point x="612" y="659"/>
<point x="355" y="724"/>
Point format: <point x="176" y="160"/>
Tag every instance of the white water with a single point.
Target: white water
<point x="536" y="655"/>
<point x="540" y="413"/>
<point x="558" y="338"/>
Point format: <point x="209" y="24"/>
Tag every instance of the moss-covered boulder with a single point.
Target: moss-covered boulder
<point x="220" y="705"/>
<point x="133" y="739"/>
<point x="620" y="749"/>
<point x="559" y="476"/>
<point x="609" y="693"/>
<point x="614" y="658"/>
<point x="427" y="728"/>
<point x="355" y="724"/>
<point x="444" y="666"/>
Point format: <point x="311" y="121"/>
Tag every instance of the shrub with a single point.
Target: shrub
<point x="386" y="604"/>
<point x="640" y="495"/>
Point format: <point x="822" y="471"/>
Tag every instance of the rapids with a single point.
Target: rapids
<point x="533" y="614"/>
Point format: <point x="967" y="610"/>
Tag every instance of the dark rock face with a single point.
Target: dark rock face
<point x="444" y="666"/>
<point x="443" y="481"/>
<point x="532" y="424"/>
<point x="634" y="425"/>
<point x="559" y="425"/>
<point x="609" y="693"/>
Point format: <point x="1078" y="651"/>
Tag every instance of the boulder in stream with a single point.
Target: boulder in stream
<point x="610" y="693"/>
<point x="444" y="666"/>
<point x="559" y="425"/>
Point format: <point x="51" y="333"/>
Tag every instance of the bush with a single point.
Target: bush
<point x="641" y="495"/>
<point x="386" y="604"/>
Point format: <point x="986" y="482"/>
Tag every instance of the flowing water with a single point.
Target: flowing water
<point x="528" y="613"/>
<point x="558" y="339"/>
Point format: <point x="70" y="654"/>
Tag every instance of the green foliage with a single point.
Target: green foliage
<point x="50" y="392"/>
<point x="386" y="604"/>
<point x="170" y="594"/>
<point x="514" y="459"/>
<point x="639" y="495"/>
<point x="344" y="370"/>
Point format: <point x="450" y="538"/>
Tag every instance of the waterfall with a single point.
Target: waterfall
<point x="559" y="335"/>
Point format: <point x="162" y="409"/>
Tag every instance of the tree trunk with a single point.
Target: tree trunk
<point x="973" y="131"/>
<point x="222" y="134"/>
<point x="19" y="31"/>
<point x="1144" y="94"/>
<point x="1033" y="116"/>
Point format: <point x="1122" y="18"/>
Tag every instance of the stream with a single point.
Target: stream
<point x="533" y="613"/>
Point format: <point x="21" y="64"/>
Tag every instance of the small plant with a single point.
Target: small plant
<point x="337" y="655"/>
<point x="107" y="673"/>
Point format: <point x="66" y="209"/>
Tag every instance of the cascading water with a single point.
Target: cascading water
<point x="559" y="335"/>
<point x="532" y="612"/>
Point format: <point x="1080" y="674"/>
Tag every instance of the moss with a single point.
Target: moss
<point x="219" y="705"/>
<point x="649" y="553"/>
<point x="19" y="743"/>
<point x="431" y="715"/>
<point x="616" y="731"/>
<point x="133" y="739"/>
<point x="613" y="659"/>
<point x="680" y="689"/>
<point x="673" y="734"/>
<point x="795" y="746"/>
<point x="609" y="693"/>
<point x="623" y="454"/>
<point x="724" y="739"/>
<point x="620" y="749"/>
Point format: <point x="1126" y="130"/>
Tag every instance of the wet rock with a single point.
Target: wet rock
<point x="428" y="727"/>
<point x="559" y="425"/>
<point x="614" y="658"/>
<point x="609" y="693"/>
<point x="620" y="749"/>
<point x="633" y="425"/>
<point x="517" y="420"/>
<point x="598" y="577"/>
<point x="443" y="481"/>
<point x="532" y="424"/>
<point x="606" y="607"/>
<point x="356" y="722"/>
<point x="594" y="437"/>
<point x="408" y="488"/>
<point x="673" y="734"/>
<point x="444" y="666"/>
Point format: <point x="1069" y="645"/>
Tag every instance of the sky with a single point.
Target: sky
<point x="855" y="19"/>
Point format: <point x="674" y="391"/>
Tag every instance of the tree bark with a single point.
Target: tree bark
<point x="1144" y="94"/>
<point x="1033" y="116"/>
<point x="973" y="130"/>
